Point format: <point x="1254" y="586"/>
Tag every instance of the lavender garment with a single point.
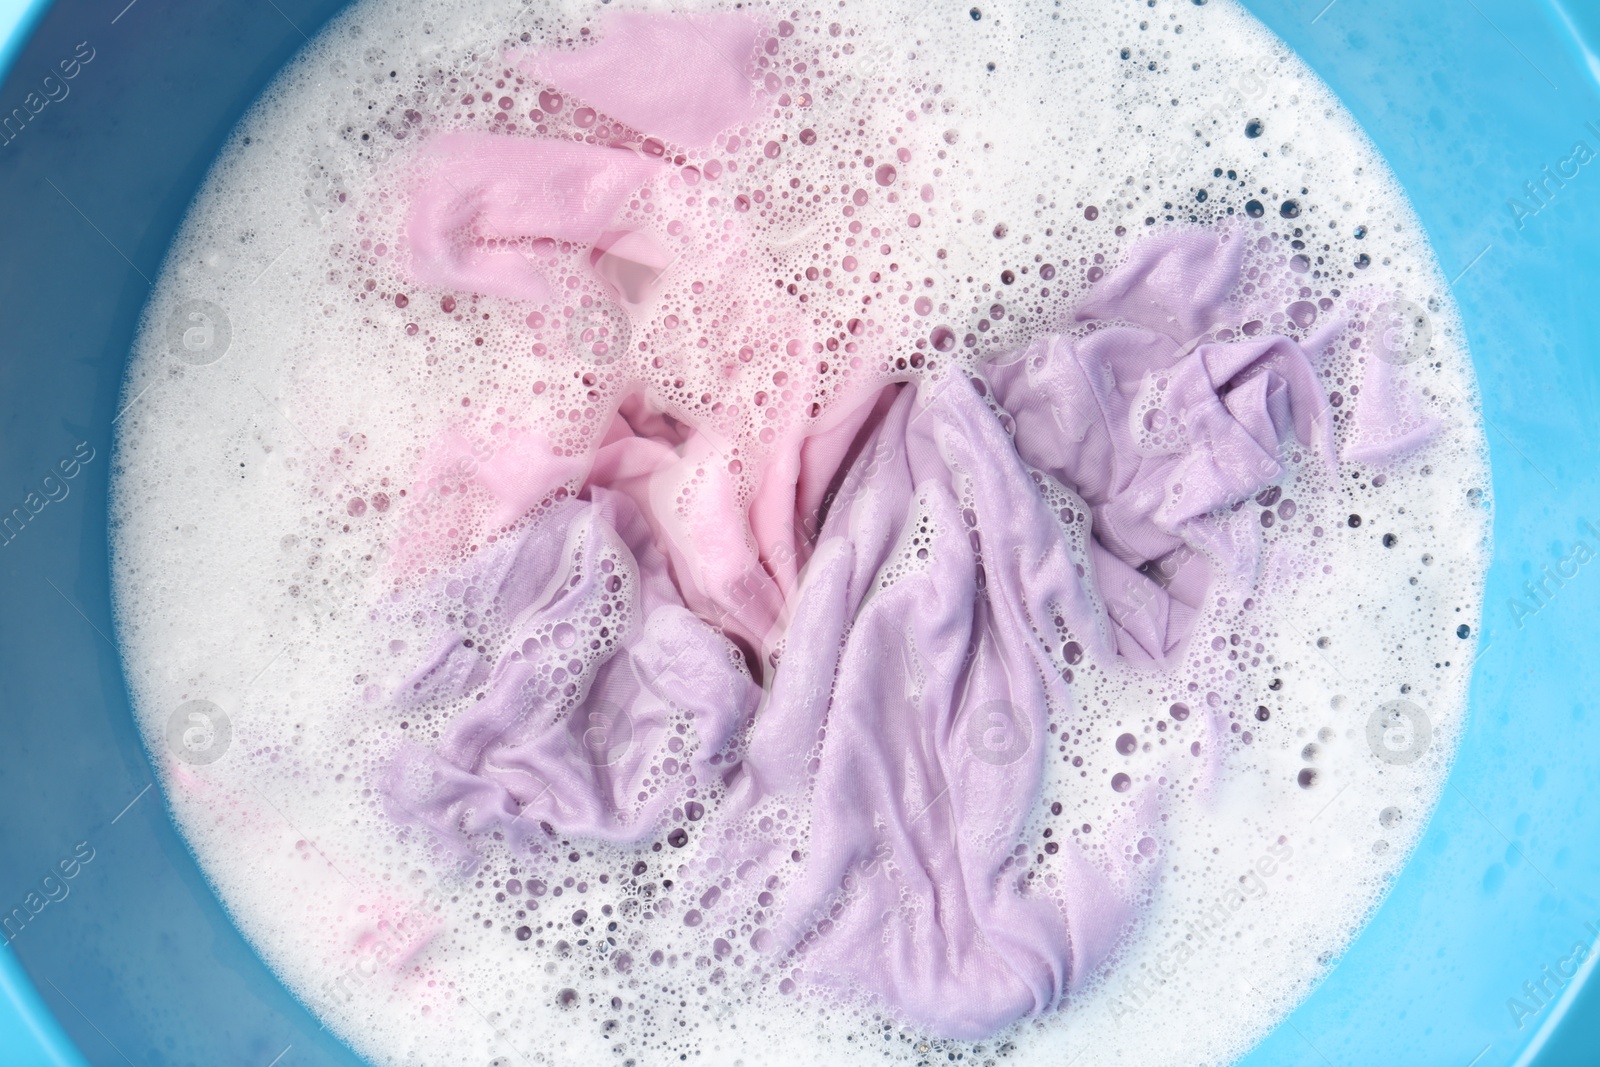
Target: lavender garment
<point x="928" y="766"/>
<point x="920" y="601"/>
<point x="910" y="583"/>
<point x="601" y="665"/>
<point x="1387" y="422"/>
<point x="1160" y="429"/>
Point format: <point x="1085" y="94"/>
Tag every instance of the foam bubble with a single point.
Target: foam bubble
<point x="301" y="486"/>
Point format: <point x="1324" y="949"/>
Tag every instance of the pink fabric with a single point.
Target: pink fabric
<point x="712" y="553"/>
<point x="630" y="262"/>
<point x="887" y="584"/>
<point x="737" y="570"/>
<point x="466" y="490"/>
<point x="484" y="196"/>
<point x="882" y="598"/>
<point x="681" y="77"/>
<point x="799" y="483"/>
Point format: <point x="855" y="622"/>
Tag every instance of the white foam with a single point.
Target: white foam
<point x="245" y="577"/>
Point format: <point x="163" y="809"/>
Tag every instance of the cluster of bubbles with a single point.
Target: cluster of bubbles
<point x="901" y="209"/>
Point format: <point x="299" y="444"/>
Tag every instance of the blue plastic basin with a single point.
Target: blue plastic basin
<point x="1469" y="100"/>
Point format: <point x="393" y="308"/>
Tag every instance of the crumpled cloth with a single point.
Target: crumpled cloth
<point x="482" y="200"/>
<point x="1160" y="429"/>
<point x="907" y="582"/>
<point x="878" y="642"/>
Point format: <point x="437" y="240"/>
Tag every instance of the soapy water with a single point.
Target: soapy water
<point x="804" y="552"/>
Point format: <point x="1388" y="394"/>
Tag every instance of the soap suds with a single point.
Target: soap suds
<point x="272" y="503"/>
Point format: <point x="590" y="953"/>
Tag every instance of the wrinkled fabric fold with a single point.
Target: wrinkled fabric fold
<point x="931" y="733"/>
<point x="483" y="196"/>
<point x="876" y="635"/>
<point x="483" y="201"/>
<point x="602" y="664"/>
<point x="1160" y="430"/>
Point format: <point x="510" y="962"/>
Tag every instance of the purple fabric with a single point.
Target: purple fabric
<point x="600" y="664"/>
<point x="921" y="568"/>
<point x="1160" y="429"/>
<point x="921" y="603"/>
<point x="931" y="756"/>
<point x="1387" y="422"/>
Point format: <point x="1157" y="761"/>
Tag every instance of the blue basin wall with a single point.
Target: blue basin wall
<point x="1477" y="956"/>
<point x="138" y="962"/>
<point x="1470" y="101"/>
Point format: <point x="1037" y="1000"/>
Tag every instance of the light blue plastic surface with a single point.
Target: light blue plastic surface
<point x="16" y="21"/>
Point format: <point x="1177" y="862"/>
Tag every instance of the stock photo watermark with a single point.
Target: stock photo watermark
<point x="199" y="732"/>
<point x="199" y="333"/>
<point x="1251" y="887"/>
<point x="1544" y="989"/>
<point x="1399" y="732"/>
<point x="53" y="88"/>
<point x="1540" y="192"/>
<point x="599" y="331"/>
<point x="600" y="732"/>
<point x="998" y="733"/>
<point x="1405" y="332"/>
<point x="54" y="487"/>
<point x="54" y="887"/>
<point x="1538" y="594"/>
